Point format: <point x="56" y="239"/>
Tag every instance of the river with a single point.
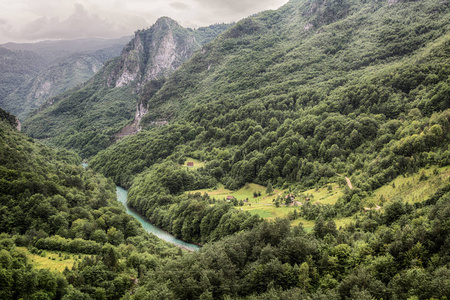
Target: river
<point x="122" y="197"/>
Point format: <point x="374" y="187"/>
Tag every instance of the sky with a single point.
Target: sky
<point x="37" y="20"/>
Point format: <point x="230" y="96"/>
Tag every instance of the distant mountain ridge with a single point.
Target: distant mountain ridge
<point x="56" y="66"/>
<point x="54" y="50"/>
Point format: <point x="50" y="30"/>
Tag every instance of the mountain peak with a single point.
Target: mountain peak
<point x="153" y="53"/>
<point x="166" y="20"/>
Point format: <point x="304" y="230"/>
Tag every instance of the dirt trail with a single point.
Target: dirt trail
<point x="349" y="183"/>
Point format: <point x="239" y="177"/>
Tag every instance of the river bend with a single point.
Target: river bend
<point x="122" y="197"/>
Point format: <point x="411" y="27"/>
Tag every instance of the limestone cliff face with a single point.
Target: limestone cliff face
<point x="153" y="53"/>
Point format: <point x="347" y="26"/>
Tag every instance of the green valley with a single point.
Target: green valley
<point x="305" y="150"/>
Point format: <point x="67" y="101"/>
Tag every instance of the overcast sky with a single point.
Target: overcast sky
<point x="35" y="20"/>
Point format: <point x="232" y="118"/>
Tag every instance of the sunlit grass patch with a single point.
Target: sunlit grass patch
<point x="411" y="188"/>
<point x="51" y="260"/>
<point x="196" y="163"/>
<point x="324" y="194"/>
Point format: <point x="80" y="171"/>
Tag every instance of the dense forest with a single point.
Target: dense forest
<point x="347" y="96"/>
<point x="372" y="120"/>
<point x="48" y="202"/>
<point x="349" y="116"/>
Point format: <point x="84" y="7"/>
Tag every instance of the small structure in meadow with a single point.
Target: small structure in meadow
<point x="372" y="208"/>
<point x="190" y="164"/>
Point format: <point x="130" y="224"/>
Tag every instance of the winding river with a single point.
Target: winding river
<point x="122" y="197"/>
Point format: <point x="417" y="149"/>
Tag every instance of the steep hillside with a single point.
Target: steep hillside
<point x="87" y="118"/>
<point x="48" y="202"/>
<point x="303" y="47"/>
<point x="17" y="67"/>
<point x="296" y="95"/>
<point x="154" y="53"/>
<point x="57" y="66"/>
<point x="317" y="95"/>
<point x="51" y="82"/>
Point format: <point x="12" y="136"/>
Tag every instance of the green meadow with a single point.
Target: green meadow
<point x="52" y="260"/>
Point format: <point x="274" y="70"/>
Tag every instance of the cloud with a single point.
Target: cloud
<point x="79" y="24"/>
<point x="179" y="6"/>
<point x="218" y="11"/>
<point x="240" y="6"/>
<point x="31" y="20"/>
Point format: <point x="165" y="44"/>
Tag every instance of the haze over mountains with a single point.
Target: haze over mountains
<point x="306" y="149"/>
<point x="32" y="73"/>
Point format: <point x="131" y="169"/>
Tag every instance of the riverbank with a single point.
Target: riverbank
<point x="122" y="197"/>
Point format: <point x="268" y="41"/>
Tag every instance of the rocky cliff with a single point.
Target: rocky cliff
<point x="154" y="53"/>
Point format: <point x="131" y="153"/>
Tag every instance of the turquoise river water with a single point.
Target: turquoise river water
<point x="122" y="197"/>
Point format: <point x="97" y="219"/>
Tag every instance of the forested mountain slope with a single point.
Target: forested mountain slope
<point x="86" y="118"/>
<point x="17" y="67"/>
<point x="49" y="202"/>
<point x="292" y="99"/>
<point x="53" y="80"/>
<point x="302" y="93"/>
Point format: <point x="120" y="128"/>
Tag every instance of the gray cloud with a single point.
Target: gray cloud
<point x="179" y="6"/>
<point x="79" y="24"/>
<point x="31" y="20"/>
<point x="239" y="6"/>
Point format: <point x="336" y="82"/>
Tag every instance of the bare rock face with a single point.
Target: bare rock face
<point x="134" y="127"/>
<point x="130" y="63"/>
<point x="19" y="125"/>
<point x="153" y="53"/>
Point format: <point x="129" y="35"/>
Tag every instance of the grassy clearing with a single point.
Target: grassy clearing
<point x="343" y="222"/>
<point x="51" y="260"/>
<point x="246" y="192"/>
<point x="264" y="205"/>
<point x="197" y="163"/>
<point x="412" y="188"/>
<point x="323" y="195"/>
